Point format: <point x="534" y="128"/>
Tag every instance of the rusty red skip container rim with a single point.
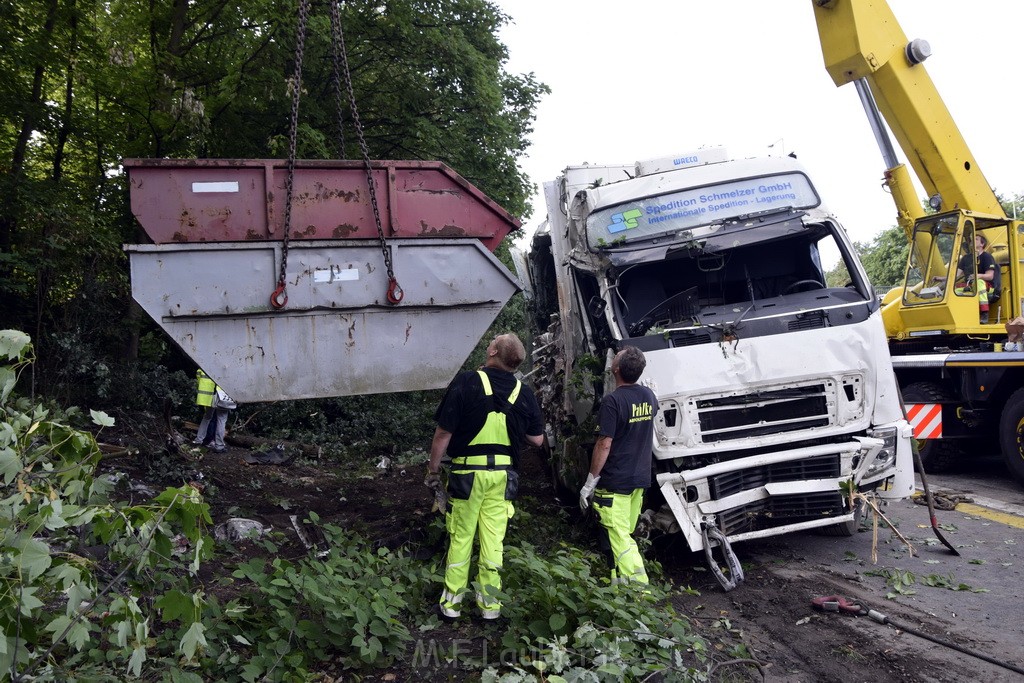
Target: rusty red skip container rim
<point x="242" y="200"/>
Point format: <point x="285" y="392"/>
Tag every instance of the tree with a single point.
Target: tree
<point x="84" y="84"/>
<point x="884" y="259"/>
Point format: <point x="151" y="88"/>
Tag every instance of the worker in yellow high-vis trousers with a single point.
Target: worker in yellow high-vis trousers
<point x="621" y="463"/>
<point x="482" y="423"/>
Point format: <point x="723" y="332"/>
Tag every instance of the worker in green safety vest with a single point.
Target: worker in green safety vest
<point x="621" y="463"/>
<point x="216" y="404"/>
<point x="482" y="422"/>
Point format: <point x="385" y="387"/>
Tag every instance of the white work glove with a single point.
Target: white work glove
<point x="433" y="482"/>
<point x="588" y="491"/>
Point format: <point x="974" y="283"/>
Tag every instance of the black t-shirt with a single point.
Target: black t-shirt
<point x="627" y="416"/>
<point x="463" y="410"/>
<point x="982" y="264"/>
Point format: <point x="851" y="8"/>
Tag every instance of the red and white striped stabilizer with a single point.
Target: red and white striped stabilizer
<point x="926" y="420"/>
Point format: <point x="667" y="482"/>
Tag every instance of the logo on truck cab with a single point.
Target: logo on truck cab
<point x="625" y="220"/>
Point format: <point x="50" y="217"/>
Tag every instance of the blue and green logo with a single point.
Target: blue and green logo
<point x="627" y="220"/>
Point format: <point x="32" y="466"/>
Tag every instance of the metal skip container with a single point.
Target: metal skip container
<point x="217" y="228"/>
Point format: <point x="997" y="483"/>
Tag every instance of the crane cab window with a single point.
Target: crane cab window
<point x="964" y="281"/>
<point x="931" y="255"/>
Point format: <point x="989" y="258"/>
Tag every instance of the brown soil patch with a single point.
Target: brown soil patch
<point x="389" y="505"/>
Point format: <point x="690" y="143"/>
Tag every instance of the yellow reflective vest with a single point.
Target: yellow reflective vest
<point x="207" y="389"/>
<point x="493" y="438"/>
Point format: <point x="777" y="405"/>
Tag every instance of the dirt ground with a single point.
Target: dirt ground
<point x="770" y="612"/>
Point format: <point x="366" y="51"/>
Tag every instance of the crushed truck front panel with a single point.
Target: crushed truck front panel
<point x="776" y="391"/>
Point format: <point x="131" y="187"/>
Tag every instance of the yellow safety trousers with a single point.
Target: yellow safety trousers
<point x="982" y="293"/>
<point x="486" y="511"/>
<point x="617" y="513"/>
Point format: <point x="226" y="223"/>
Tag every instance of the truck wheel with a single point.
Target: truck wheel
<point x="1011" y="434"/>
<point x="937" y="455"/>
<point x="848" y="528"/>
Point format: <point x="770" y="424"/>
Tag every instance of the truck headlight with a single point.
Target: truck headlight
<point x="887" y="456"/>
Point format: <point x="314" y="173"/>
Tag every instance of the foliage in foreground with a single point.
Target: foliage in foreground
<point x="77" y="570"/>
<point x="574" y="625"/>
<point x="97" y="589"/>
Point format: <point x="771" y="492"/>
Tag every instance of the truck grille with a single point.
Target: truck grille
<point x="780" y="511"/>
<point x="730" y="483"/>
<point x="812" y="320"/>
<point x="767" y="412"/>
<point x="690" y="339"/>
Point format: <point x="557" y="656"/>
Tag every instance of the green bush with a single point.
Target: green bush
<point x="346" y="602"/>
<point x="564" y="611"/>
<point x="351" y="425"/>
<point x="77" y="571"/>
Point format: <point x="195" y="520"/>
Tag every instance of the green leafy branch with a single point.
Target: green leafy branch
<point x="61" y="534"/>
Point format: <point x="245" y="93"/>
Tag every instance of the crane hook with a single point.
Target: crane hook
<point x="279" y="299"/>
<point x="395" y="292"/>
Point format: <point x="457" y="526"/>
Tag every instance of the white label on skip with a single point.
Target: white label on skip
<point x="215" y="187"/>
<point x="334" y="274"/>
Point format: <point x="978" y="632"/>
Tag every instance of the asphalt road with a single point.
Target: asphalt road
<point x="974" y="600"/>
<point x="984" y="478"/>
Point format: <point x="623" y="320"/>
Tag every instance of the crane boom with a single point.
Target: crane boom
<point x="862" y="39"/>
<point x="964" y="279"/>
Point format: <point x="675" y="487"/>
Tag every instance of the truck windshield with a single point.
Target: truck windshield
<point x="686" y="210"/>
<point x="693" y="287"/>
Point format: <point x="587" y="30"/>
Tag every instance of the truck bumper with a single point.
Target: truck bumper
<point x="775" y="493"/>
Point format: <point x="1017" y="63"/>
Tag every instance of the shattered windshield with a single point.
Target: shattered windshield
<point x="757" y="274"/>
<point x="668" y="214"/>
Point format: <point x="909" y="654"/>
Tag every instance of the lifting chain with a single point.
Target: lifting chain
<point x="339" y="103"/>
<point x="279" y="299"/>
<point x="395" y="292"/>
<point x="280" y="296"/>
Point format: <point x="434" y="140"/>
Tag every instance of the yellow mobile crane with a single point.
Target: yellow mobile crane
<point x="958" y="388"/>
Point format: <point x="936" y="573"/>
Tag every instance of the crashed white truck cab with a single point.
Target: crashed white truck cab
<point x="775" y="390"/>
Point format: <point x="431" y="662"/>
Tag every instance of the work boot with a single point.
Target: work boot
<point x="448" y="613"/>
<point x="450" y="605"/>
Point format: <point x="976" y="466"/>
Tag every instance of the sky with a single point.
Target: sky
<point x="653" y="78"/>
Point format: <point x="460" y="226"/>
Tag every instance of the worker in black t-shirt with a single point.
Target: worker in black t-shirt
<point x="482" y="422"/>
<point x="982" y="266"/>
<point x="621" y="462"/>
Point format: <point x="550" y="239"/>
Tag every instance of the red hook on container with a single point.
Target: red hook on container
<point x="395" y="292"/>
<point x="279" y="299"/>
